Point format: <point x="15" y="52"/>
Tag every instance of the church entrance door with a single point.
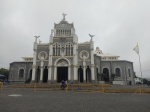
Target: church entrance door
<point x="62" y="73"/>
<point x="45" y="75"/>
<point x="80" y="74"/>
<point x="38" y="74"/>
<point x="106" y="74"/>
<point x="30" y="77"/>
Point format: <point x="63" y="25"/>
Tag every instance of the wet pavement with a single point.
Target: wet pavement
<point x="26" y="100"/>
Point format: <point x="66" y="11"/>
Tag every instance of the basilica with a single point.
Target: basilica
<point x="64" y="58"/>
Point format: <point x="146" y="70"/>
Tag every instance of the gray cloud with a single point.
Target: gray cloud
<point x="118" y="26"/>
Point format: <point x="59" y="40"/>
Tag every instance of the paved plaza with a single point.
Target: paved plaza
<point x="25" y="100"/>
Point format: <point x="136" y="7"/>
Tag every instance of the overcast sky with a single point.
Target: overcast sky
<point x="117" y="25"/>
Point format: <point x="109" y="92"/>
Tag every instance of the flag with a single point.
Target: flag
<point x="136" y="49"/>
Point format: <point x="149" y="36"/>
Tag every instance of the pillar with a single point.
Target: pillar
<point x="69" y="76"/>
<point x="50" y="56"/>
<point x="75" y="74"/>
<point x="75" y="61"/>
<point x="55" y="73"/>
<point x="34" y="58"/>
<point x="41" y="71"/>
<point x="92" y="73"/>
<point x="84" y="71"/>
<point x="92" y="60"/>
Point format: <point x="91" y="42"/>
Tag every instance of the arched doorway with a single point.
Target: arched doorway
<point x="88" y="74"/>
<point x="45" y="75"/>
<point x="21" y="73"/>
<point x="80" y="74"/>
<point x="106" y="74"/>
<point x="62" y="70"/>
<point x="62" y="74"/>
<point x="38" y="74"/>
<point x="30" y="75"/>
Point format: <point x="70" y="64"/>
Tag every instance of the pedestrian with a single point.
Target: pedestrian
<point x="63" y="84"/>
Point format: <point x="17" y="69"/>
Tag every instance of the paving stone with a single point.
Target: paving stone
<point x="61" y="101"/>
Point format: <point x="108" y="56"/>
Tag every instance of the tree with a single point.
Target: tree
<point x="4" y="71"/>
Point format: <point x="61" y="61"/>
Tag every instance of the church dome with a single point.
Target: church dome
<point x="98" y="50"/>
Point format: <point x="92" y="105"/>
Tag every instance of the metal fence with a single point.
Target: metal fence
<point x="100" y="88"/>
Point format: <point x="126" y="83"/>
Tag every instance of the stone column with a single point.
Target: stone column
<point x="92" y="61"/>
<point x="49" y="74"/>
<point x="69" y="77"/>
<point x="41" y="72"/>
<point x="75" y="61"/>
<point x="55" y="73"/>
<point x="34" y="58"/>
<point x="50" y="65"/>
<point x="84" y="71"/>
<point x="33" y="72"/>
<point x="75" y="74"/>
<point x="75" y="69"/>
<point x="50" y="56"/>
<point x="92" y="73"/>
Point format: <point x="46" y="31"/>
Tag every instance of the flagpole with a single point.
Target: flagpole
<point x="136" y="49"/>
<point x="140" y="67"/>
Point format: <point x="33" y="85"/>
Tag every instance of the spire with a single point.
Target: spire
<point x="64" y="16"/>
<point x="36" y="37"/>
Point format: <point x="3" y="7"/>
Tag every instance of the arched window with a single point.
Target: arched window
<point x="88" y="74"/>
<point x="117" y="71"/>
<point x="30" y="75"/>
<point x="80" y="74"/>
<point x="129" y="73"/>
<point x="21" y="73"/>
<point x="69" y="49"/>
<point x="56" y="49"/>
<point x="53" y="50"/>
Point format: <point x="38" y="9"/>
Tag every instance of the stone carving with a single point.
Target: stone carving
<point x="42" y="55"/>
<point x="91" y="36"/>
<point x="36" y="37"/>
<point x="64" y="16"/>
<point x="62" y="63"/>
<point x="84" y="55"/>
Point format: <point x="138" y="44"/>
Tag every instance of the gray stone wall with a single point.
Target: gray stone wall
<point x="63" y="41"/>
<point x="86" y="48"/>
<point x="40" y="48"/>
<point x="97" y="62"/>
<point x="123" y="66"/>
<point x="14" y="70"/>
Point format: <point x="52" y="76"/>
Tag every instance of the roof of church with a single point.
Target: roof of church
<point x="107" y="55"/>
<point x="63" y="23"/>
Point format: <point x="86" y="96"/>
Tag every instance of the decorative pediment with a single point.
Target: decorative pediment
<point x="62" y="63"/>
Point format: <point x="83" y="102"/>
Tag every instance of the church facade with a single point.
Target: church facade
<point x="64" y="58"/>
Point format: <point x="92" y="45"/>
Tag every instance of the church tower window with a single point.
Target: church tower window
<point x="56" y="49"/>
<point x="69" y="49"/>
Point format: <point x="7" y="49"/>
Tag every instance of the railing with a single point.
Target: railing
<point x="100" y="88"/>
